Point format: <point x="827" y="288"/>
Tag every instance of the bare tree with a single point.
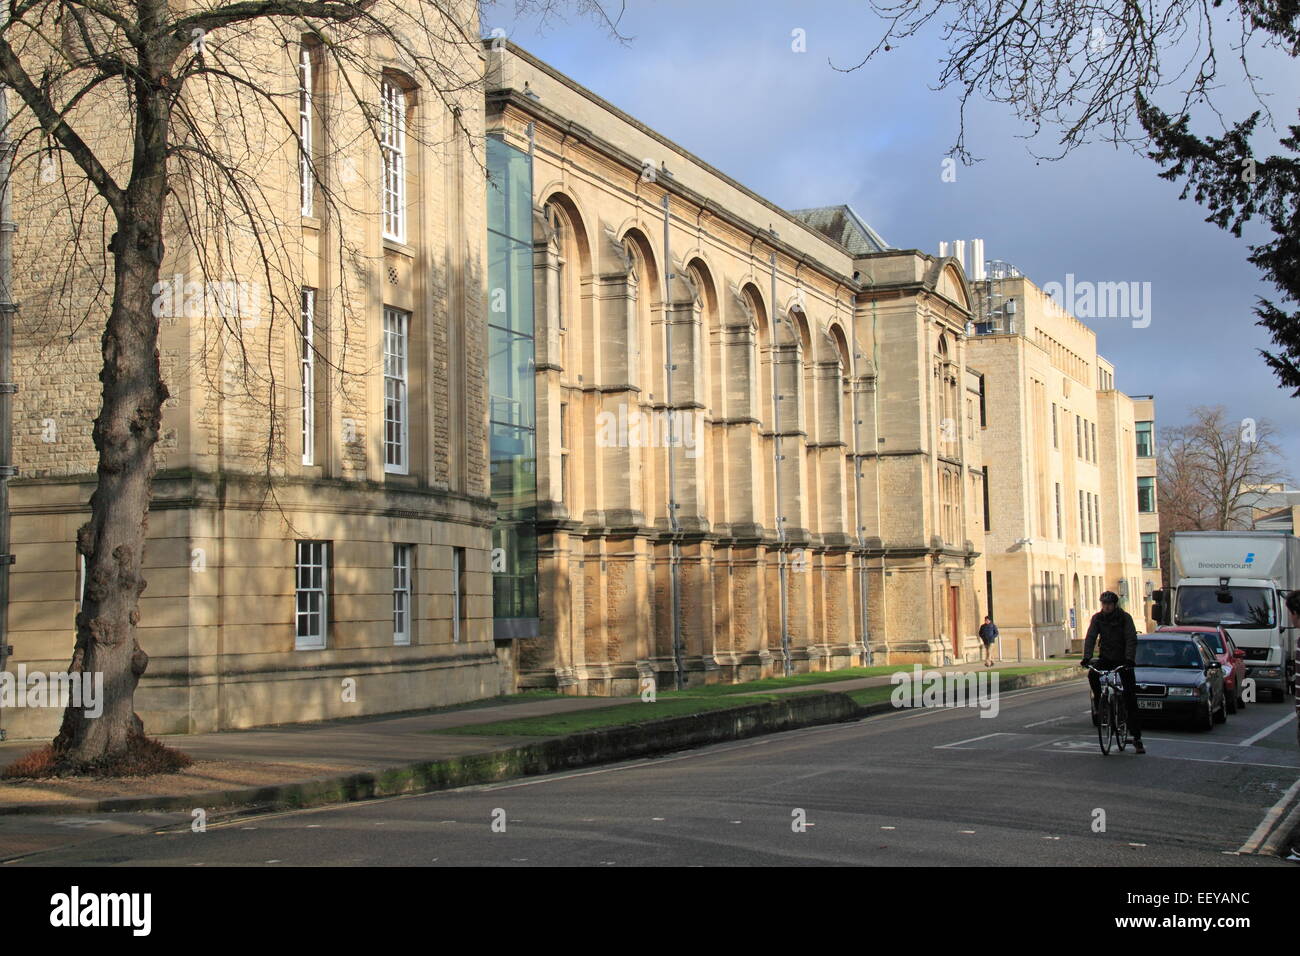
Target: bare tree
<point x="1141" y="75"/>
<point x="1211" y="472"/>
<point x="162" y="122"/>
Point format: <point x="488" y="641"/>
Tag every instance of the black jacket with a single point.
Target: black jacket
<point x="1118" y="636"/>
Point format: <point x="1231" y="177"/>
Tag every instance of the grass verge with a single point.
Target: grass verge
<point x="712" y="697"/>
<point x="554" y="725"/>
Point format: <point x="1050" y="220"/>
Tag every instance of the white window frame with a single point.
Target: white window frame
<point x="307" y="366"/>
<point x="311" y="567"/>
<point x="403" y="562"/>
<point x="306" y="117"/>
<point x="397" y="347"/>
<point x="392" y="147"/>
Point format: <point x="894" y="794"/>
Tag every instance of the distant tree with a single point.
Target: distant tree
<point x="1210" y="472"/>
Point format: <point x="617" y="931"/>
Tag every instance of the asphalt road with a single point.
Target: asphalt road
<point x="921" y="787"/>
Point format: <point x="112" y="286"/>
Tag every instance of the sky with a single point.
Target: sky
<point x="722" y="79"/>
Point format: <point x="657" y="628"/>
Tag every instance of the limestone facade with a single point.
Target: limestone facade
<point x="320" y="531"/>
<point x="741" y="422"/>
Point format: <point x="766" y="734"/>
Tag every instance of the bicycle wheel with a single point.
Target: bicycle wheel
<point x="1106" y="713"/>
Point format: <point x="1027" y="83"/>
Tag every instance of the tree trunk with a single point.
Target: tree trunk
<point x="125" y="433"/>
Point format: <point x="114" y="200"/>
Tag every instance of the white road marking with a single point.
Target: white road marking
<point x="1270" y="820"/>
<point x="970" y="741"/>
<point x="1052" y="720"/>
<point x="1267" y="730"/>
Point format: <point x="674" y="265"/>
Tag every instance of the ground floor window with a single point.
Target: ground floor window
<point x="312" y="594"/>
<point x="402" y="562"/>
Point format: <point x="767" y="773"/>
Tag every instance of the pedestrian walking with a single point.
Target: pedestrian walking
<point x="988" y="634"/>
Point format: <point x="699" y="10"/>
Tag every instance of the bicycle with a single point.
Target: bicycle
<point x="1112" y="722"/>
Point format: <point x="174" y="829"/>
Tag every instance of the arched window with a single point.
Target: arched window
<point x="560" y="235"/>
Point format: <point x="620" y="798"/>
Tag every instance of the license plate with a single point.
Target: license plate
<point x="1150" y="704"/>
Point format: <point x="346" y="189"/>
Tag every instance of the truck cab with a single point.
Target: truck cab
<point x="1238" y="580"/>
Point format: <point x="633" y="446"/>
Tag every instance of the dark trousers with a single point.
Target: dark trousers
<point x="1130" y="693"/>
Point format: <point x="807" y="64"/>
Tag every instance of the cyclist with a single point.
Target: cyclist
<point x="1113" y="632"/>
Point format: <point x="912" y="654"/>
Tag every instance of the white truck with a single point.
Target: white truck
<point x="1239" y="579"/>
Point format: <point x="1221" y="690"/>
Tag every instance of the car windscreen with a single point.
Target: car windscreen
<point x="1240" y="607"/>
<point x="1156" y="653"/>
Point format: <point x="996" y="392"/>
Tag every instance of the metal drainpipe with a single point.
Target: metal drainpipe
<point x="875" y="427"/>
<point x="865" y="622"/>
<point x="8" y="311"/>
<point x="776" y="462"/>
<point x="674" y="547"/>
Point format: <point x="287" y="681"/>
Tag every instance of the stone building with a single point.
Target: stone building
<point x="1061" y="469"/>
<point x="319" y="538"/>
<point x="751" y="455"/>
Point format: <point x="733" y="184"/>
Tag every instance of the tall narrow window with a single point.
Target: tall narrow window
<point x="1150" y="550"/>
<point x="1083" y="521"/>
<point x="312" y="593"/>
<point x="392" y="144"/>
<point x="1059" y="535"/>
<point x="307" y="348"/>
<point x="81" y="580"/>
<point x="306" y="111"/>
<point x="564" y="451"/>
<point x="556" y="222"/>
<point x="1056" y="443"/>
<point x="402" y="593"/>
<point x="984" y="483"/>
<point x="1146" y="495"/>
<point x="1146" y="439"/>
<point x="396" y="427"/>
<point x="457" y="593"/>
<point x="1092" y="429"/>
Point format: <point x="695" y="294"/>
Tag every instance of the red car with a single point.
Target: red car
<point x="1227" y="654"/>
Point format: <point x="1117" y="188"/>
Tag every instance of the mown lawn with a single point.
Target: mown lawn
<point x="553" y="725"/>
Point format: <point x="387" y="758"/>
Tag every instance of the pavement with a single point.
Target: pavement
<point x="255" y="766"/>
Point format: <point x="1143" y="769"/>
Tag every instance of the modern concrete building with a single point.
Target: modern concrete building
<point x="1276" y="508"/>
<point x="1144" y="412"/>
<point x="751" y="454"/>
<point x="319" y="539"/>
<point x="1060" y="458"/>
